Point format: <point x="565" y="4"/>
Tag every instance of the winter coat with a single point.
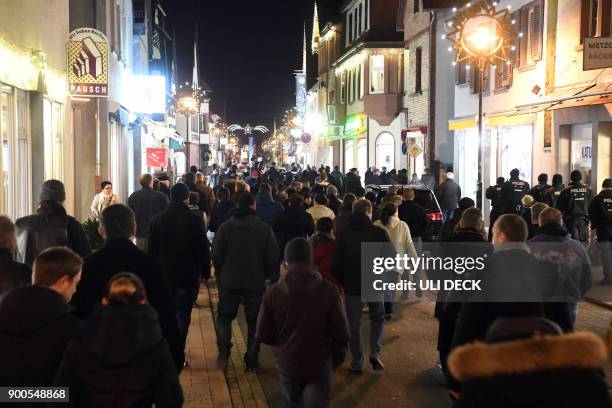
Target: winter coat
<point x="267" y="209"/>
<point x="100" y="202"/>
<point x="415" y="216"/>
<point x="511" y="195"/>
<point x="36" y="326"/>
<point x="12" y="274"/>
<point x="341" y="221"/>
<point x="292" y="223"/>
<point x="353" y="182"/>
<point x="208" y="194"/>
<point x="146" y="203"/>
<point x="399" y="234"/>
<point x="449" y="195"/>
<point x="220" y="214"/>
<point x="322" y="255"/>
<point x="177" y="242"/>
<point x="303" y="319"/>
<point x="600" y="212"/>
<point x="121" y="255"/>
<point x="120" y="359"/>
<point x="347" y="253"/>
<point x="319" y="211"/>
<point x="540" y="372"/>
<point x="35" y="234"/>
<point x="244" y="252"/>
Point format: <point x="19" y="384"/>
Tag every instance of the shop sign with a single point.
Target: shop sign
<point x="87" y="63"/>
<point x="415" y="150"/>
<point x="146" y="93"/>
<point x="156" y="157"/>
<point x="355" y="124"/>
<point x="597" y="53"/>
<point x="586" y="152"/>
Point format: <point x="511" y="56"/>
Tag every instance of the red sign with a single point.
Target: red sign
<point x="156" y="157"/>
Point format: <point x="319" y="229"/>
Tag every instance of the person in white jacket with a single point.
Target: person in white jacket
<point x="320" y="209"/>
<point x="399" y="234"/>
<point x="105" y="198"/>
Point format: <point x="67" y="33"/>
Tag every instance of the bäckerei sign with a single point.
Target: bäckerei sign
<point x="597" y="53"/>
<point x="87" y="63"/>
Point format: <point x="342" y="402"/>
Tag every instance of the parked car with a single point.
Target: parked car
<point x="423" y="196"/>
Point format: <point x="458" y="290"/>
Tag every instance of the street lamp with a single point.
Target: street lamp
<point x="481" y="36"/>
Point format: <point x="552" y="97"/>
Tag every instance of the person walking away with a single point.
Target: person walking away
<point x="177" y="242"/>
<point x="323" y="243"/>
<point x="194" y="198"/>
<point x="320" y="209"/>
<point x="36" y="323"/>
<point x="120" y="358"/>
<point x="449" y="196"/>
<point x="449" y="226"/>
<point x="302" y="317"/>
<point x="12" y="274"/>
<point x="399" y="234"/>
<point x="551" y="196"/>
<point x="512" y="193"/>
<point x="338" y="180"/>
<point x="119" y="254"/>
<point x="267" y="209"/>
<point x="554" y="244"/>
<point x="529" y="362"/>
<point x="332" y="196"/>
<point x="539" y="190"/>
<point x="189" y="179"/>
<point x="221" y="212"/>
<point x="534" y="224"/>
<point x="146" y="203"/>
<point x="204" y="189"/>
<point x="497" y="207"/>
<point x="294" y="222"/>
<point x="347" y="269"/>
<point x="573" y="202"/>
<point x="428" y="179"/>
<point x="600" y="211"/>
<point x="103" y="199"/>
<point x="342" y="220"/>
<point x="50" y="226"/>
<point x="353" y="181"/>
<point x="245" y="254"/>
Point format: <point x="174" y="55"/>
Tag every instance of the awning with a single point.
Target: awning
<point x="595" y="94"/>
<point x="462" y="123"/>
<point x="509" y="119"/>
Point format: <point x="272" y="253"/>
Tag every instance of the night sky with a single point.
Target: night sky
<point x="248" y="51"/>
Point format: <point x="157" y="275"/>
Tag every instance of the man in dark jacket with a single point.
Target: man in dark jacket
<point x="145" y="203"/>
<point x="512" y="193"/>
<point x="353" y="181"/>
<point x="221" y="212"/>
<point x="176" y="240"/>
<point x="539" y="190"/>
<point x="338" y="180"/>
<point x="119" y="254"/>
<point x="267" y="210"/>
<point x="573" y="202"/>
<point x="600" y="211"/>
<point x="12" y="274"/>
<point x="36" y="324"/>
<point x="50" y="226"/>
<point x="244" y="254"/>
<point x="303" y="319"/>
<point x="497" y="207"/>
<point x="414" y="215"/>
<point x="552" y="194"/>
<point x="347" y="269"/>
<point x="294" y="222"/>
<point x="449" y="196"/>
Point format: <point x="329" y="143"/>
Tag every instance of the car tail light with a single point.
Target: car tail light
<point x="434" y="216"/>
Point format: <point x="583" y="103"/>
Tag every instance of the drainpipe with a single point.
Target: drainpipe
<point x="431" y="118"/>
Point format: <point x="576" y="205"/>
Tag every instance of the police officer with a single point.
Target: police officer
<point x="538" y="191"/>
<point x="600" y="213"/>
<point x="497" y="208"/>
<point x="550" y="197"/>
<point x="512" y="193"/>
<point x="573" y="202"/>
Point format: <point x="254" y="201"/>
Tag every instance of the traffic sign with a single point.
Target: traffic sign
<point x="415" y="150"/>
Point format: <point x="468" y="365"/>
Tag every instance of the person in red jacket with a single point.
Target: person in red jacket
<point x="323" y="243"/>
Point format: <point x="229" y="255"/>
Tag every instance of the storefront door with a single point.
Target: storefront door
<point x="581" y="150"/>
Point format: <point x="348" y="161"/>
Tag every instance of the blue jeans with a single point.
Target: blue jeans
<point x="377" y="320"/>
<point x="184" y="304"/>
<point x="416" y="277"/>
<point x="298" y="392"/>
<point x="448" y="213"/>
<point x="229" y="301"/>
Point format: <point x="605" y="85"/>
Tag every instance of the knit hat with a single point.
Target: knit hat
<point x="53" y="190"/>
<point x="298" y="250"/>
<point x="331" y="189"/>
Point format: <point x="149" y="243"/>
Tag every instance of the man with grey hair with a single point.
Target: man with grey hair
<point x="145" y="203"/>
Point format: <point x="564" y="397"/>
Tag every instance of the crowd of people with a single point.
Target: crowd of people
<point x="285" y="243"/>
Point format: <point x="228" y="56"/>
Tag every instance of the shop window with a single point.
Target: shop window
<point x="582" y="150"/>
<point x="385" y="151"/>
<point x="348" y="155"/>
<point x="596" y="18"/>
<point x="515" y="146"/>
<point x="6" y="127"/>
<point x="377" y="74"/>
<point x="53" y="130"/>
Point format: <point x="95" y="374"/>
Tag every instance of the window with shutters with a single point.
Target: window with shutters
<point x="343" y="87"/>
<point x="532" y="29"/>
<point x="461" y="73"/>
<point x="417" y="6"/>
<point x="474" y="75"/>
<point x="418" y="80"/>
<point x="596" y="18"/>
<point x="503" y="75"/>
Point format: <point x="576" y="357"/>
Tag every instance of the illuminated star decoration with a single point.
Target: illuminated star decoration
<point x="489" y="29"/>
<point x="248" y="129"/>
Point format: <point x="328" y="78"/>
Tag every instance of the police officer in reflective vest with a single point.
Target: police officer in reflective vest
<point x="600" y="213"/>
<point x="573" y="202"/>
<point x="512" y="193"/>
<point x="497" y="208"/>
